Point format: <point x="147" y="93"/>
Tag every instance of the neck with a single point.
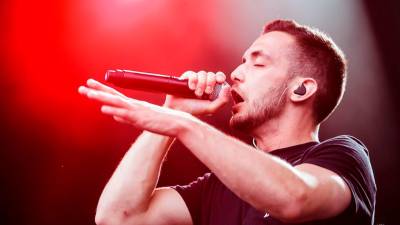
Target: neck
<point x="278" y="133"/>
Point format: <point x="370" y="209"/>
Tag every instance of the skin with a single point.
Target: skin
<point x="293" y="194"/>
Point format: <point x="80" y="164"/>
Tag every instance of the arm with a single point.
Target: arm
<point x="130" y="196"/>
<point x="292" y="194"/>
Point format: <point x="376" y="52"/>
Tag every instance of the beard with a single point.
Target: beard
<point x="266" y="107"/>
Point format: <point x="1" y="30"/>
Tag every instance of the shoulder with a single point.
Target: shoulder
<point x="344" y="141"/>
<point x="344" y="155"/>
<point x="348" y="157"/>
<point x="339" y="145"/>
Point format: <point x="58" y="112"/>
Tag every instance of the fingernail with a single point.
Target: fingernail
<point x="81" y="89"/>
<point x="91" y="82"/>
<point x="105" y="109"/>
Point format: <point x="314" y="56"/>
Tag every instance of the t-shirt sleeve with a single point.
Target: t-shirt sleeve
<point x="192" y="195"/>
<point x="348" y="157"/>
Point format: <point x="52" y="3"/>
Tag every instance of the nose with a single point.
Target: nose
<point x="237" y="75"/>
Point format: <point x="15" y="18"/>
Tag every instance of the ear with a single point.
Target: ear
<point x="310" y="86"/>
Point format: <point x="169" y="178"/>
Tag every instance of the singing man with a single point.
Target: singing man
<point x="290" y="80"/>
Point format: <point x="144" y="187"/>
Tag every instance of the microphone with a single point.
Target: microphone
<point x="152" y="82"/>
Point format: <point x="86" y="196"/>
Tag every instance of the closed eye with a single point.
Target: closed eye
<point x="259" y="65"/>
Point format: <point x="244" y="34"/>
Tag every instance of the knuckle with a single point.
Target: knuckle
<point x="193" y="79"/>
<point x="202" y="79"/>
<point x="121" y="101"/>
<point x="202" y="76"/>
<point x="211" y="81"/>
<point x="186" y="74"/>
<point x="211" y="76"/>
<point x="202" y="84"/>
<point x="193" y="76"/>
<point x="221" y="75"/>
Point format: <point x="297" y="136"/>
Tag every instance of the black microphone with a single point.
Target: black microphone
<point x="153" y="82"/>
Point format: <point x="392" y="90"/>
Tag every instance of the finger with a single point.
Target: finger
<point x="185" y="75"/>
<point x="220" y="77"/>
<point x="120" y="119"/>
<point x="107" y="98"/>
<point x="115" y="111"/>
<point x="102" y="87"/>
<point x="201" y="83"/>
<point x="83" y="90"/>
<point x="222" y="99"/>
<point x="192" y="80"/>
<point x="210" y="83"/>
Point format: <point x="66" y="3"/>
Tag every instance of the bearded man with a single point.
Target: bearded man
<point x="290" y="80"/>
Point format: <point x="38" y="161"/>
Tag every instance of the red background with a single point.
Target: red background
<point x="58" y="150"/>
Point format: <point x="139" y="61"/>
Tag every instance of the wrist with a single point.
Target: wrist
<point x="157" y="138"/>
<point x="187" y="125"/>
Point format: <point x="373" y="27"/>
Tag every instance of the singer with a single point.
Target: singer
<point x="290" y="80"/>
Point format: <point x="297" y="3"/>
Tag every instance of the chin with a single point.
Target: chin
<point x="241" y="122"/>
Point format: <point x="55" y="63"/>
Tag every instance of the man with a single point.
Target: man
<point x="291" y="79"/>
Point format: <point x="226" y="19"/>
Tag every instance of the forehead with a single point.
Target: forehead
<point x="272" y="44"/>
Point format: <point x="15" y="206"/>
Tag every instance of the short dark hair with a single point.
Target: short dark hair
<point x="319" y="57"/>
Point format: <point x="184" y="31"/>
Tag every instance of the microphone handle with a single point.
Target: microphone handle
<point x="152" y="82"/>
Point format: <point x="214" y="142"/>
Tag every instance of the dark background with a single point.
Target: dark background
<point x="58" y="150"/>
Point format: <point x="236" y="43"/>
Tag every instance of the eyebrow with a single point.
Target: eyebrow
<point x="258" y="53"/>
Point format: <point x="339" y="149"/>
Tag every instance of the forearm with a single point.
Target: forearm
<point x="130" y="188"/>
<point x="264" y="181"/>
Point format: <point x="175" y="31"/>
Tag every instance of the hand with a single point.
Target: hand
<point x="140" y="114"/>
<point x="201" y="83"/>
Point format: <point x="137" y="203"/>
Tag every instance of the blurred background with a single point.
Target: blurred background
<point x="58" y="150"/>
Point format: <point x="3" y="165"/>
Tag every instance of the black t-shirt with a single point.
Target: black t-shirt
<point x="210" y="202"/>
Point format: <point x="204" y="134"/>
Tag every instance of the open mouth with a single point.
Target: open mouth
<point x="236" y="97"/>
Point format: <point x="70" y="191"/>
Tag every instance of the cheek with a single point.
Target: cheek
<point x="263" y="97"/>
<point x="275" y="75"/>
<point x="257" y="103"/>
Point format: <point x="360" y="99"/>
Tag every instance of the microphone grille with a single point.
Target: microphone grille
<point x="217" y="90"/>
